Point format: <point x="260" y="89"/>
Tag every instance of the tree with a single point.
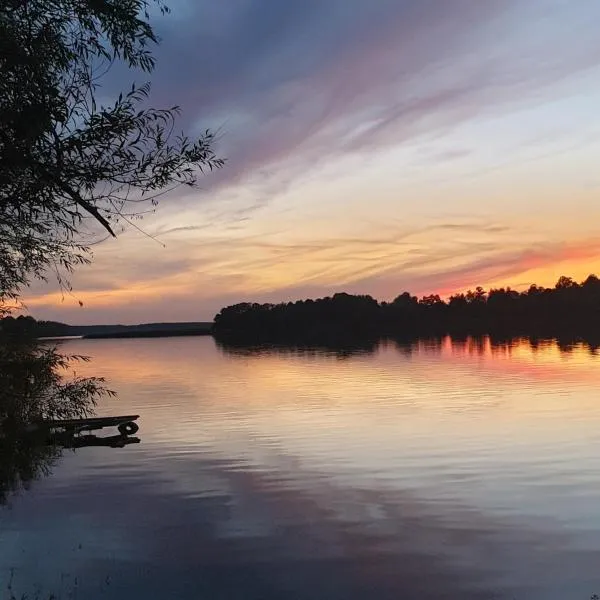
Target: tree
<point x="431" y="300"/>
<point x="405" y="300"/>
<point x="457" y="301"/>
<point x="476" y="297"/>
<point x="535" y="290"/>
<point x="591" y="283"/>
<point x="69" y="164"/>
<point x="565" y="283"/>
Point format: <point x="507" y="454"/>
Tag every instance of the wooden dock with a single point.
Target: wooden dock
<point x="125" y="424"/>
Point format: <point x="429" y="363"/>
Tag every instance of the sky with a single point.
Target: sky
<point x="371" y="146"/>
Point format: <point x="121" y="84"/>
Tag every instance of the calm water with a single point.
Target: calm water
<point x="420" y="471"/>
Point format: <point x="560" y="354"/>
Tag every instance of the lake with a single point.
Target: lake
<point x="452" y="469"/>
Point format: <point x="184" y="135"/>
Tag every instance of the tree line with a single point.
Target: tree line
<point x="568" y="309"/>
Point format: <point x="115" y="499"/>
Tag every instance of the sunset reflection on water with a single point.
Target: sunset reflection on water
<point x="468" y="467"/>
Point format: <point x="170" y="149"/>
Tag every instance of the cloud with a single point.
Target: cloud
<point x="183" y="228"/>
<point x="293" y="85"/>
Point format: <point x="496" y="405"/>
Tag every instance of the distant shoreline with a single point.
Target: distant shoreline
<point x="45" y="330"/>
<point x="147" y="334"/>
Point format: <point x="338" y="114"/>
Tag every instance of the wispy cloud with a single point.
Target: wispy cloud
<point x="298" y="83"/>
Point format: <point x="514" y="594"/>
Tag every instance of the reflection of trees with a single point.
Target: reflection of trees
<point x="23" y="459"/>
<point x="33" y="387"/>
<point x="460" y="345"/>
<point x="332" y="348"/>
<point x="26" y="458"/>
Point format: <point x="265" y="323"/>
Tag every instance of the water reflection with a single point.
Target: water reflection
<point x="421" y="469"/>
<point x="22" y="462"/>
<point x="338" y="349"/>
<point x="480" y="345"/>
<point x="27" y="458"/>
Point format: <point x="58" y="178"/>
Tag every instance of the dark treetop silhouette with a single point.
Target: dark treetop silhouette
<point x="568" y="309"/>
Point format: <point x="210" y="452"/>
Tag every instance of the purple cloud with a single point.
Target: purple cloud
<point x="302" y="82"/>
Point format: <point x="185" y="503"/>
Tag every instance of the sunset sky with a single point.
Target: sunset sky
<point x="372" y="146"/>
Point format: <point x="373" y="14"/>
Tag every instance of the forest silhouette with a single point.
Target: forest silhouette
<point x="568" y="310"/>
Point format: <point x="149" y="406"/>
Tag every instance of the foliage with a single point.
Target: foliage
<point x="569" y="308"/>
<point x="33" y="386"/>
<point x="66" y="160"/>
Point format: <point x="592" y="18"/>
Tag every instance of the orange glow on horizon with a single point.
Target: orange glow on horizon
<point x="379" y="272"/>
<point x="575" y="261"/>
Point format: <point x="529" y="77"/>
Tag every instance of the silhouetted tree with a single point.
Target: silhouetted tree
<point x="431" y="300"/>
<point x="405" y="301"/>
<point x="458" y="301"/>
<point x="476" y="297"/>
<point x="66" y="158"/>
<point x="591" y="283"/>
<point x="565" y="283"/>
